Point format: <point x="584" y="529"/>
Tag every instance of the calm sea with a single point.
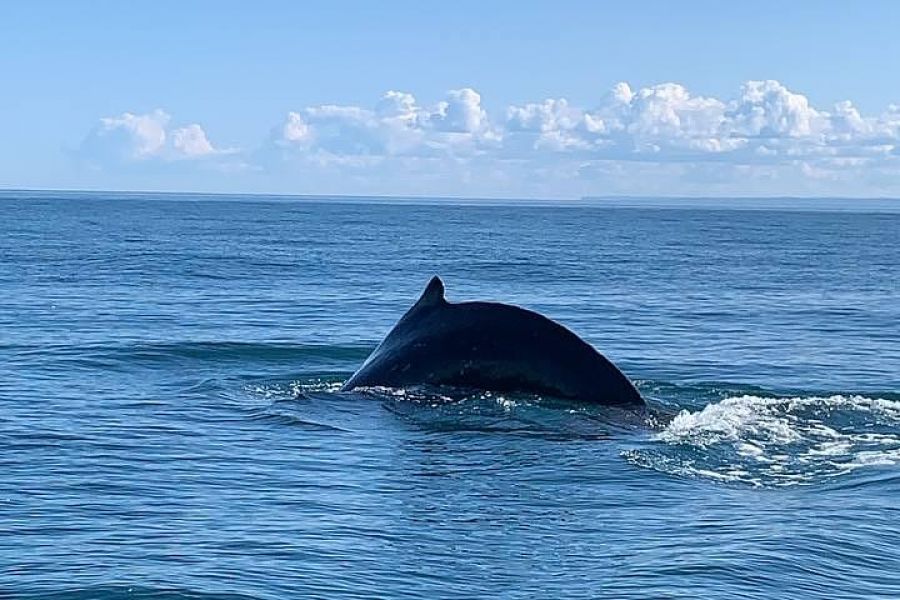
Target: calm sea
<point x="170" y="425"/>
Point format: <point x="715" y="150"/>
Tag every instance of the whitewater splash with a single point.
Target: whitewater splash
<point x="769" y="441"/>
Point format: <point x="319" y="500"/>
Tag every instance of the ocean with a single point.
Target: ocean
<point x="172" y="425"/>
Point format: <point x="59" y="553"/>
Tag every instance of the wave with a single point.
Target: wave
<point x="295" y="389"/>
<point x="756" y="438"/>
<point x="120" y="592"/>
<point x="447" y="409"/>
<point x="126" y="353"/>
<point x="776" y="441"/>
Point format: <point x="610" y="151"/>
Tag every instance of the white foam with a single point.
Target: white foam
<point x="777" y="441"/>
<point x="732" y="419"/>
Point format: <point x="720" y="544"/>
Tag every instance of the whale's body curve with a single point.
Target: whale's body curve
<point x="491" y="346"/>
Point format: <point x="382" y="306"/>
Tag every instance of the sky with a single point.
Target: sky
<point x="479" y="99"/>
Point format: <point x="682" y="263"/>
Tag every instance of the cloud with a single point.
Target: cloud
<point x="765" y="122"/>
<point x="461" y="112"/>
<point x="658" y="139"/>
<point x="397" y="126"/>
<point x="768" y="109"/>
<point x="135" y="138"/>
<point x="191" y="142"/>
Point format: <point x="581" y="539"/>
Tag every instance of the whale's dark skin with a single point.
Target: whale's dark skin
<point x="491" y="346"/>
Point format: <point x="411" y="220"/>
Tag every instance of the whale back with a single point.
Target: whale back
<point x="491" y="346"/>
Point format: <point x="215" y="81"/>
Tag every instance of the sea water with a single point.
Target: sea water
<point x="171" y="424"/>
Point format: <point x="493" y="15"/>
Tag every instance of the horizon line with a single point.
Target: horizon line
<point x="503" y="199"/>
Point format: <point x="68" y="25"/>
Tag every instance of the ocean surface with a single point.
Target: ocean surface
<point x="171" y="425"/>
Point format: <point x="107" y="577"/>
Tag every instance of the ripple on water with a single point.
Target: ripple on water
<point x="133" y="593"/>
<point x="447" y="409"/>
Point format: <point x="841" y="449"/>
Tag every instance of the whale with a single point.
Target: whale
<point x="493" y="347"/>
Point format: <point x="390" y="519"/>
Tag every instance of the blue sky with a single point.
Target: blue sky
<point x="496" y="99"/>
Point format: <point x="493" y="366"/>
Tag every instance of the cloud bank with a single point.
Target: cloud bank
<point x="766" y="139"/>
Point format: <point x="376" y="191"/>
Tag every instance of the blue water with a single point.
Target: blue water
<point x="171" y="425"/>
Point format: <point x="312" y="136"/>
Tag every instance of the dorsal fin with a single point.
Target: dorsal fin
<point x="433" y="294"/>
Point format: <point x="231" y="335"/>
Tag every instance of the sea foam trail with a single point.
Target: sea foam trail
<point x="776" y="441"/>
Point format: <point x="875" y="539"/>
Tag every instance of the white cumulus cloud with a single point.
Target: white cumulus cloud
<point x="665" y="122"/>
<point x="191" y="141"/>
<point x="141" y="137"/>
<point x="766" y="136"/>
<point x="663" y="138"/>
<point x="396" y="126"/>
